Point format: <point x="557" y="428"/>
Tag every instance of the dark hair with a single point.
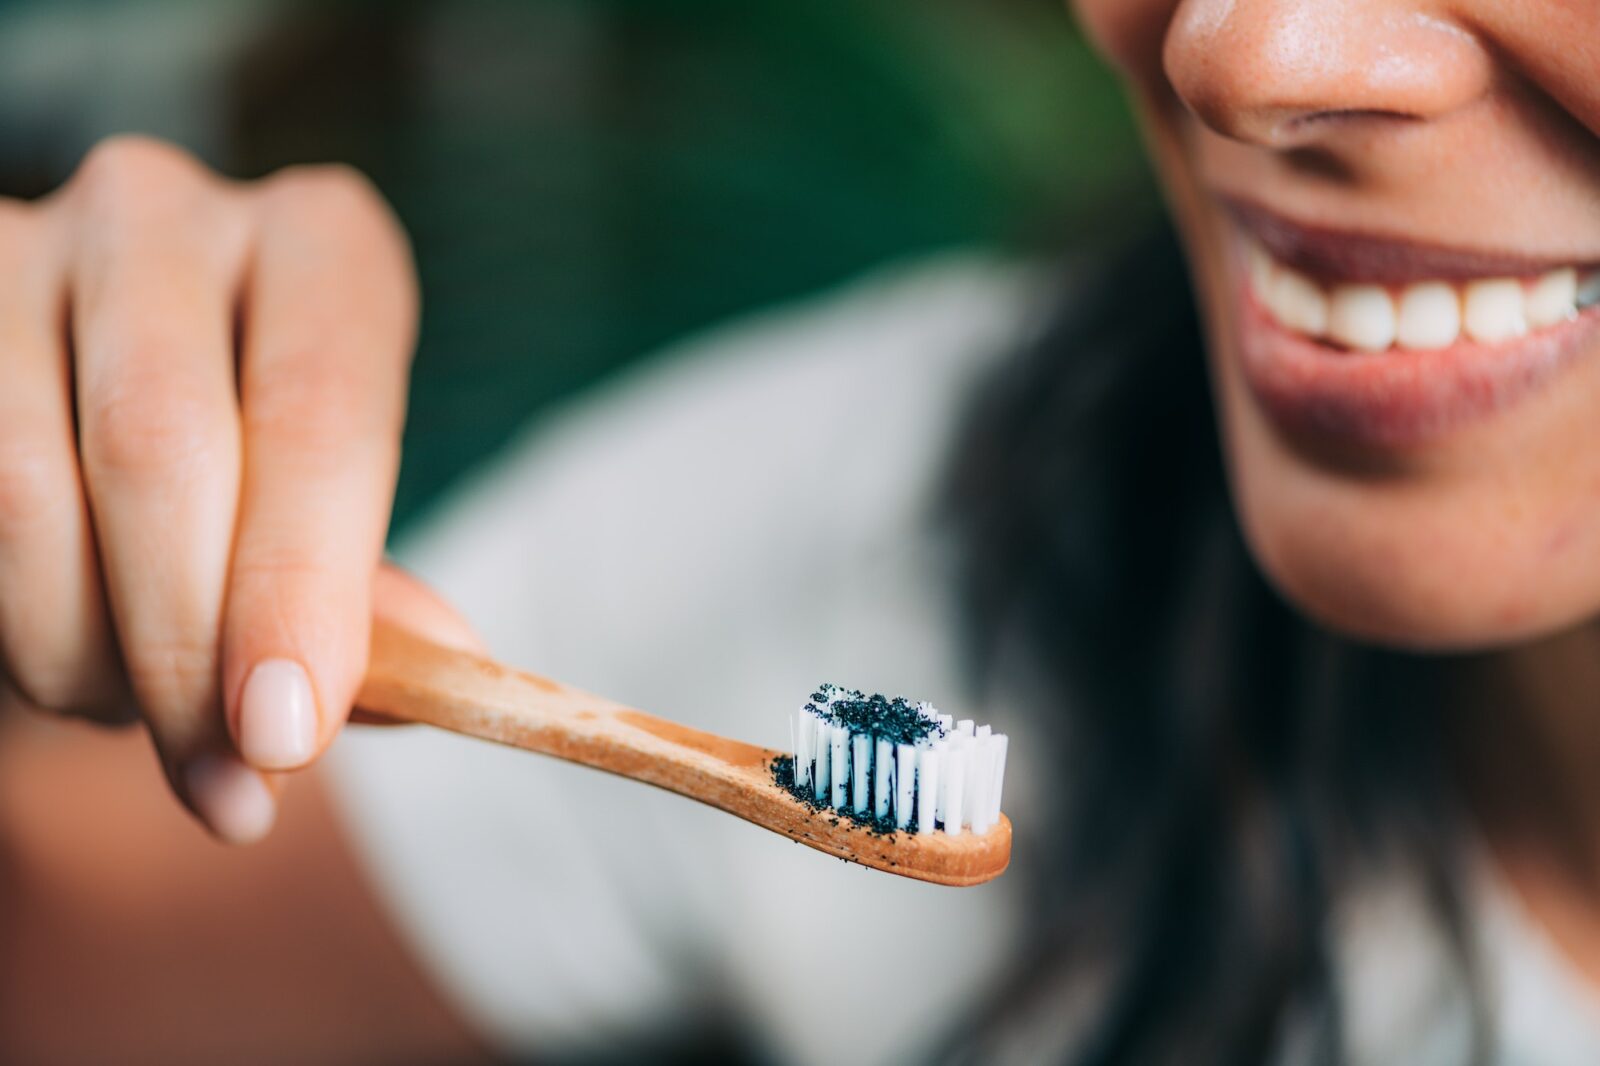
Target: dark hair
<point x="1227" y="765"/>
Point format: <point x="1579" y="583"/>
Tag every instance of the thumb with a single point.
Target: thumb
<point x="405" y="601"/>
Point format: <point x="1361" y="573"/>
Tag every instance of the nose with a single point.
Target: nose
<point x="1286" y="73"/>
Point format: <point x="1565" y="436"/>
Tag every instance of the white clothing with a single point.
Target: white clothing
<point x="709" y="538"/>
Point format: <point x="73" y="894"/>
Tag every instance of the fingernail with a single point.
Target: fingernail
<point x="277" y="716"/>
<point x="231" y="798"/>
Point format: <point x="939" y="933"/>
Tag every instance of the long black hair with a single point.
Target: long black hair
<point x="1227" y="766"/>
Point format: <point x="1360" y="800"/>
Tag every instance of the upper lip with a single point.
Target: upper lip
<point x="1352" y="255"/>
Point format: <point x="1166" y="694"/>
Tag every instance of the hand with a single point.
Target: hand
<point x="202" y="386"/>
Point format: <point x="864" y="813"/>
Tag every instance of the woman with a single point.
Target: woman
<point x="1260" y="803"/>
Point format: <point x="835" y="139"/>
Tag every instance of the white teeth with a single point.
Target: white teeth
<point x="1551" y="299"/>
<point x="1297" y="302"/>
<point x="1260" y="266"/>
<point x="1426" y="315"/>
<point x="1430" y="316"/>
<point x="1361" y="316"/>
<point x="1492" y="311"/>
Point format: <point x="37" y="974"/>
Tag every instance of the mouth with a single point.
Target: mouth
<point x="1387" y="342"/>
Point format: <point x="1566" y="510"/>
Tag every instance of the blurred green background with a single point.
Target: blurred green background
<point x="585" y="180"/>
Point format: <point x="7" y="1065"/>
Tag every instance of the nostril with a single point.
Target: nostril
<point x="1319" y="161"/>
<point x="1343" y="116"/>
<point x="1303" y="128"/>
<point x="1348" y="114"/>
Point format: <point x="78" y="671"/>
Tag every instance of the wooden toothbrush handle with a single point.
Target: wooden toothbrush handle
<point x="413" y="679"/>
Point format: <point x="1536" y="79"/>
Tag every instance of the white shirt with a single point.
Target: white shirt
<point x="708" y="538"/>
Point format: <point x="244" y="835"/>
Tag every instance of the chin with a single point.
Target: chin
<point x="1427" y="588"/>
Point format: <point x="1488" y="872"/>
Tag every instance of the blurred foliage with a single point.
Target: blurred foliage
<point x="585" y="180"/>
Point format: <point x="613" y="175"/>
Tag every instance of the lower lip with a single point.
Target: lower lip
<point x="1397" y="398"/>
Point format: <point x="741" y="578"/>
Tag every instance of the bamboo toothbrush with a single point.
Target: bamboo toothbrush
<point x="412" y="679"/>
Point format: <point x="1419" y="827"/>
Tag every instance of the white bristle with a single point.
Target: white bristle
<point x="860" y="772"/>
<point x="981" y="782"/>
<point x="955" y="786"/>
<point x="905" y="783"/>
<point x="952" y="777"/>
<point x="840" y="757"/>
<point x="821" y="789"/>
<point x="977" y="781"/>
<point x="805" y="734"/>
<point x="882" y="778"/>
<point x="928" y="760"/>
<point x="969" y="797"/>
<point x="999" y="774"/>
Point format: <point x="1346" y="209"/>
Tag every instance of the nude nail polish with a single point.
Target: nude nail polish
<point x="277" y="716"/>
<point x="231" y="798"/>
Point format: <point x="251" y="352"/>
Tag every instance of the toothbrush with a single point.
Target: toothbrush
<point x="949" y="839"/>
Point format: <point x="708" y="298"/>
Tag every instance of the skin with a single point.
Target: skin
<point x="199" y="433"/>
<point x="1473" y="124"/>
<point x="198" y="445"/>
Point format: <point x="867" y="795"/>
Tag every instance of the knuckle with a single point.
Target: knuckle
<point x="269" y="571"/>
<point x="342" y="205"/>
<point x="332" y="191"/>
<point x="52" y="672"/>
<point x="324" y="408"/>
<point x="28" y="259"/>
<point x="50" y="689"/>
<point x="284" y="585"/>
<point x="32" y="481"/>
<point x="172" y="673"/>
<point x="17" y="221"/>
<point x="155" y="428"/>
<point x="348" y="218"/>
<point x="285" y="590"/>
<point x="128" y="170"/>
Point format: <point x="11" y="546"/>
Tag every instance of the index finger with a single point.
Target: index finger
<point x="328" y="324"/>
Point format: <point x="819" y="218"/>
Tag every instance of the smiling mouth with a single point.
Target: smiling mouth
<point x="1388" y="342"/>
<point x="1423" y="315"/>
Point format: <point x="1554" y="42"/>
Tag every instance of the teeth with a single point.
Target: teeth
<point x="1362" y="317"/>
<point x="1551" y="299"/>
<point x="1261" y="268"/>
<point x="1421" y="316"/>
<point x="1492" y="310"/>
<point x="1297" y="302"/>
<point x="1430" y="316"/>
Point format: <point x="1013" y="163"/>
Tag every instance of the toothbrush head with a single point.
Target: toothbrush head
<point x="896" y="767"/>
